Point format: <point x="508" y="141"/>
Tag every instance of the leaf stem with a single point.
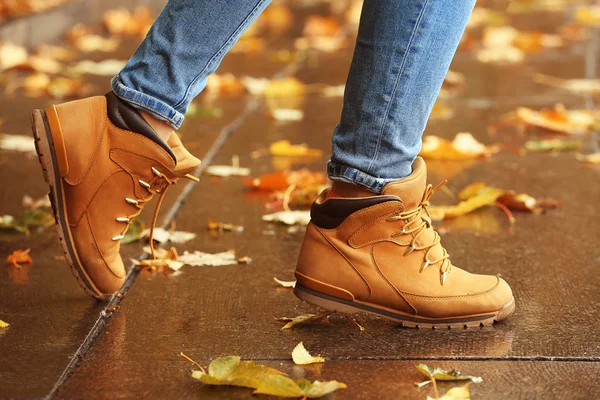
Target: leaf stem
<point x="192" y="361"/>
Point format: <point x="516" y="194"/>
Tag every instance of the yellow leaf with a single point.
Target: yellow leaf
<point x="486" y="196"/>
<point x="301" y="356"/>
<point x="457" y="393"/>
<point x="573" y="85"/>
<point x="278" y="385"/>
<point x="441" y="374"/>
<point x="4" y="324"/>
<point x="284" y="87"/>
<point x="557" y="119"/>
<point x="285" y="148"/>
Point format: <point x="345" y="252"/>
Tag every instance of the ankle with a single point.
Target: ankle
<point x="163" y="128"/>
<point x="343" y="189"/>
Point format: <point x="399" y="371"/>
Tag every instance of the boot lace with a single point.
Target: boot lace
<point x="160" y="187"/>
<point x="415" y="224"/>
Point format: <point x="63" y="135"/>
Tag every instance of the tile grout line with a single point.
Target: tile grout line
<point x="252" y="105"/>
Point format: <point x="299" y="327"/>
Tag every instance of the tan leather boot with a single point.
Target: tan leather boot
<point x="103" y="163"/>
<point x="381" y="255"/>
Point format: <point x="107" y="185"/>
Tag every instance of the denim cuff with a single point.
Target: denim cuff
<point x="157" y="108"/>
<point x="343" y="173"/>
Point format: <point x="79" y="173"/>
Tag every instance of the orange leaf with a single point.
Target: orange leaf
<point x="19" y="257"/>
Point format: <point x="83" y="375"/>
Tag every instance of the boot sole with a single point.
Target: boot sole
<point x="335" y="304"/>
<point x="44" y="145"/>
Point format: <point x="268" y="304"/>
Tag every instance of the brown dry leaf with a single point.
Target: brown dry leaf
<point x="592" y="159"/>
<point x="19" y="257"/>
<point x="441" y="374"/>
<point x="463" y="147"/>
<point x="84" y="39"/>
<point x="4" y="324"/>
<point x="557" y="119"/>
<point x="525" y="202"/>
<point x="301" y="356"/>
<point x="123" y="22"/>
<point x="286" y="149"/>
<point x="165" y="260"/>
<point x="300" y="319"/>
<point x="591" y="86"/>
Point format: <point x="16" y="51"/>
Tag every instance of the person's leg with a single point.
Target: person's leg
<point x="370" y="245"/>
<point x="403" y="51"/>
<point x="184" y="46"/>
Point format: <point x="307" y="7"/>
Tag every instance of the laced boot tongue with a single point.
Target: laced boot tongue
<point x="410" y="189"/>
<point x="186" y="162"/>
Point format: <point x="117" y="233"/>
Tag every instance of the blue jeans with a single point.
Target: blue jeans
<point x="403" y="51"/>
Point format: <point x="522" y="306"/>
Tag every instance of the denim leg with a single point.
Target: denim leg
<point x="184" y="46"/>
<point x="403" y="51"/>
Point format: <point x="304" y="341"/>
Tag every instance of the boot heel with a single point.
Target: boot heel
<point x="58" y="141"/>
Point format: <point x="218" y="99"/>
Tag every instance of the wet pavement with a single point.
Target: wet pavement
<point x="547" y="350"/>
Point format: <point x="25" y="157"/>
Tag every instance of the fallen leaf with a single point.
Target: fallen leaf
<point x="123" y="22"/>
<point x="41" y="64"/>
<point x="165" y="259"/>
<point x="273" y="181"/>
<point x="592" y="159"/>
<point x="441" y="374"/>
<point x="20" y="143"/>
<point x="28" y="219"/>
<point x="284" y="87"/>
<point x="591" y="86"/>
<point x="285" y="148"/>
<point x="282" y="386"/>
<point x="220" y="227"/>
<point x="4" y="324"/>
<point x="226" y="84"/>
<point x="300" y="319"/>
<point x="301" y="356"/>
<point x="56" y="52"/>
<point x="548" y="145"/>
<point x="285" y="284"/>
<point x="108" y="67"/>
<point x="42" y="202"/>
<point x="19" y="257"/>
<point x="457" y="393"/>
<point x="163" y="236"/>
<point x="289" y="217"/>
<point x="134" y="232"/>
<point x="200" y="259"/>
<point x="287" y="115"/>
<point x="317" y="25"/>
<point x="83" y="38"/>
<point x="557" y="119"/>
<point x="588" y="15"/>
<point x="11" y="55"/>
<point x="463" y="147"/>
<point x="231" y="371"/>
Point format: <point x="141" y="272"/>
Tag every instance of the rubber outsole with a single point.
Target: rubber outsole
<point x="44" y="145"/>
<point x="334" y="304"/>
